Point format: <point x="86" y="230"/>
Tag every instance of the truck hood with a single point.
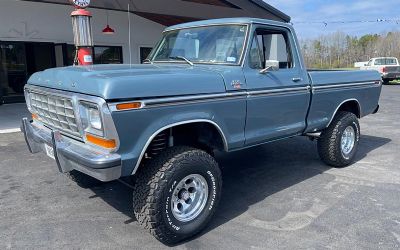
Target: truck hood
<point x="119" y="82"/>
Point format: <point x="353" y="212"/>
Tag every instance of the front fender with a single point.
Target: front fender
<point x="136" y="130"/>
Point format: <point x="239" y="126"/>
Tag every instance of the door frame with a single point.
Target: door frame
<point x="64" y="53"/>
<point x="53" y="51"/>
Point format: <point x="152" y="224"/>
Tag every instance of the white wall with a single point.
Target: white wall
<point x="41" y="22"/>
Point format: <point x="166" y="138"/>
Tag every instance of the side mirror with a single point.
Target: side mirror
<point x="270" y="65"/>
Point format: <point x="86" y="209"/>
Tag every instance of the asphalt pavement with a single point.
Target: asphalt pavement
<point x="276" y="196"/>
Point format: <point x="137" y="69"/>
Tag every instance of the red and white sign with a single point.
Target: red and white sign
<point x="80" y="3"/>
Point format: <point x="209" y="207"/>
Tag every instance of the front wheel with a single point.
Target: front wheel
<point x="338" y="144"/>
<point x="177" y="193"/>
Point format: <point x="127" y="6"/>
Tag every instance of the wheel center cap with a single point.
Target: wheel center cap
<point x="184" y="195"/>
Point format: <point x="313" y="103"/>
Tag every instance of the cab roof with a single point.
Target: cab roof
<point x="237" y="20"/>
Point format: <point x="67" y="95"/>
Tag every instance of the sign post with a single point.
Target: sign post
<point x="82" y="29"/>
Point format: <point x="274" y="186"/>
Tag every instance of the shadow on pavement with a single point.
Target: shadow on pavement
<point x="251" y="175"/>
<point x="254" y="174"/>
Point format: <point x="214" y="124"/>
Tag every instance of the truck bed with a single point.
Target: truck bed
<point x="331" y="88"/>
<point x="335" y="77"/>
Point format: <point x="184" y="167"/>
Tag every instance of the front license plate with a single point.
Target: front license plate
<point x="49" y="151"/>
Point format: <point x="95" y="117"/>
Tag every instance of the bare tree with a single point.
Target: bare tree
<point x="339" y="50"/>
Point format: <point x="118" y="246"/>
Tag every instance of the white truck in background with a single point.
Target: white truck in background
<point x="360" y="64"/>
<point x="389" y="68"/>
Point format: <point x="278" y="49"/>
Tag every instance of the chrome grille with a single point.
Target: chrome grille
<point x="55" y="111"/>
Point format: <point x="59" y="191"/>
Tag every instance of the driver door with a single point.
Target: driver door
<point x="279" y="98"/>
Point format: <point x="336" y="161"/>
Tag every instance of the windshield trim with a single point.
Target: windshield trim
<point x="242" y="56"/>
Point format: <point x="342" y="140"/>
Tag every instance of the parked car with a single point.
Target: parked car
<point x="225" y="84"/>
<point x="388" y="67"/>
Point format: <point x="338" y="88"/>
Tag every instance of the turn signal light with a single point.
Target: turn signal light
<point x="35" y="117"/>
<point x="129" y="105"/>
<point x="110" y="144"/>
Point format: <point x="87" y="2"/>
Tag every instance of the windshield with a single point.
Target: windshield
<point x="220" y="44"/>
<point x="386" y="61"/>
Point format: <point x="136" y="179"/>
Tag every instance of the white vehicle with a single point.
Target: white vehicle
<point x="389" y="68"/>
<point x="360" y="64"/>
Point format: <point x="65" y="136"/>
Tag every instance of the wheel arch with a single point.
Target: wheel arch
<point x="176" y="124"/>
<point x="351" y="105"/>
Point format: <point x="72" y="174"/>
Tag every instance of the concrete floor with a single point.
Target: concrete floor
<point x="276" y="196"/>
<point x="11" y="115"/>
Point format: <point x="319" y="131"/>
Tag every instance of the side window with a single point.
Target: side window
<point x="271" y="46"/>
<point x="379" y="62"/>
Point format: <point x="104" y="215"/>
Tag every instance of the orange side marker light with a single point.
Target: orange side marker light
<point x="129" y="105"/>
<point x="109" y="144"/>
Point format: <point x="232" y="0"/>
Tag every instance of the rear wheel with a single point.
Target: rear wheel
<point x="176" y="193"/>
<point x="386" y="81"/>
<point x="338" y="144"/>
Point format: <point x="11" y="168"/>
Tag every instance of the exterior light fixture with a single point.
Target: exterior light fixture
<point x="108" y="30"/>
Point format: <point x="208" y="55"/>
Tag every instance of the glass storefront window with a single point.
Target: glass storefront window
<point x="13" y="68"/>
<point x="144" y="53"/>
<point x="19" y="60"/>
<point x="102" y="54"/>
<point x="107" y="55"/>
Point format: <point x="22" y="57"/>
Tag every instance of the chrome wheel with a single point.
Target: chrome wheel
<point x="189" y="197"/>
<point x="348" y="141"/>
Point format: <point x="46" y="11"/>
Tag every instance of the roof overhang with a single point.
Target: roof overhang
<point x="181" y="11"/>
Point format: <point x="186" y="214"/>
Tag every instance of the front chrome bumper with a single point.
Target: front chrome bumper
<point x="72" y="155"/>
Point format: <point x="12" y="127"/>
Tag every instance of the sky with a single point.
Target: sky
<point x="340" y="10"/>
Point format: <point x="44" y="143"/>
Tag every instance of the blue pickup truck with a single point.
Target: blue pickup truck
<point x="225" y="84"/>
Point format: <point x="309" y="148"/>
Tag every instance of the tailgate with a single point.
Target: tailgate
<point x="392" y="69"/>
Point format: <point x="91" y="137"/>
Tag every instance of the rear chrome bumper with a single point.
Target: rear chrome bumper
<point x="71" y="154"/>
<point x="391" y="75"/>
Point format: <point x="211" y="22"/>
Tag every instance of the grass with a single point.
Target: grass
<point x="395" y="82"/>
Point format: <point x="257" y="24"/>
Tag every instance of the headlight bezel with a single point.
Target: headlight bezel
<point x="109" y="131"/>
<point x="86" y="111"/>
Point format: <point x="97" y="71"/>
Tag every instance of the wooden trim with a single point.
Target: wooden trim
<point x="164" y="19"/>
<point x="220" y="3"/>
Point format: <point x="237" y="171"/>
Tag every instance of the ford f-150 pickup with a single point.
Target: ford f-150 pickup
<point x="225" y="84"/>
<point x="388" y="67"/>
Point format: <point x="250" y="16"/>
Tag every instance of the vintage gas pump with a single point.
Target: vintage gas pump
<point x="82" y="28"/>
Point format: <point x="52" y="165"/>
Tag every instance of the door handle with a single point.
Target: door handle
<point x="297" y="79"/>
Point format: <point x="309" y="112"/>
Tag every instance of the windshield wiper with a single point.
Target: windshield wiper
<point x="182" y="58"/>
